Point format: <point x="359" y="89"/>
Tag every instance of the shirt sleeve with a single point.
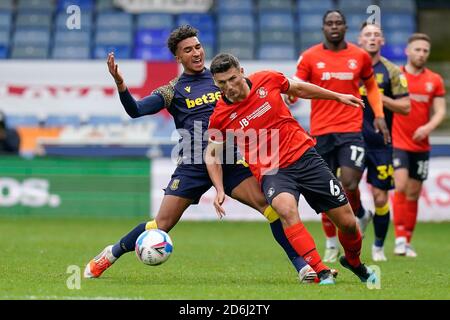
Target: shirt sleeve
<point x="440" y="87"/>
<point x="303" y="68"/>
<point x="279" y="80"/>
<point x="399" y="84"/>
<point x="366" y="69"/>
<point x="167" y="92"/>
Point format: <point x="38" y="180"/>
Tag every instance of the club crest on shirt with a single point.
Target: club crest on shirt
<point x="352" y="64"/>
<point x="429" y="86"/>
<point x="262" y="92"/>
<point x="320" y="65"/>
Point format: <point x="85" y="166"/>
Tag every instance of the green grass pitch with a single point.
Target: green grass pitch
<point x="211" y="260"/>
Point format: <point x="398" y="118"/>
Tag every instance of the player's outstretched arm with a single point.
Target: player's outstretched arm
<point x="149" y="105"/>
<point x="439" y="110"/>
<point x="214" y="166"/>
<point x="311" y="91"/>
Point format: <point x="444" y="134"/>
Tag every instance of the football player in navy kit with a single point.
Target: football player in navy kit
<point x="190" y="99"/>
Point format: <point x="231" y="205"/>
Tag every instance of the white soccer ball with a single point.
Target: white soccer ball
<point x="153" y="247"/>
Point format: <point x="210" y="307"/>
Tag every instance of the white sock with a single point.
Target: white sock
<point x="332" y="242"/>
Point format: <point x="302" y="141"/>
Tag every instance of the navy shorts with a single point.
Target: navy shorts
<point x="342" y="150"/>
<point x="416" y="163"/>
<point x="309" y="176"/>
<point x="380" y="172"/>
<point x="191" y="181"/>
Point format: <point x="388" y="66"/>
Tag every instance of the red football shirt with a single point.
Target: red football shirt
<point x="423" y="88"/>
<point x="264" y="129"/>
<point x="339" y="71"/>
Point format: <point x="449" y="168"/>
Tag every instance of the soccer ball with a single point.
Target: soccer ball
<point x="153" y="247"/>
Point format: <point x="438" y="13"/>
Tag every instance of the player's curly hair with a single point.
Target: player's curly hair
<point x="178" y="35"/>
<point x="334" y="11"/>
<point x="223" y="62"/>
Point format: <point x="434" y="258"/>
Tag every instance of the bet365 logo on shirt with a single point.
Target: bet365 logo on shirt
<point x="210" y="97"/>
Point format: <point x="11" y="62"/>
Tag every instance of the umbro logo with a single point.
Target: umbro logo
<point x="321" y="65"/>
<point x="233" y="116"/>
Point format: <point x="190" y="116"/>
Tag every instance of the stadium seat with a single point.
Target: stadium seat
<point x="157" y="53"/>
<point x="404" y="22"/>
<point x="399" y="6"/>
<point x="234" y="6"/>
<point x="5" y="20"/>
<point x="275" y="5"/>
<point x="4" y="38"/>
<point x="114" y="37"/>
<point x="201" y="21"/>
<point x="104" y="5"/>
<point x="83" y="4"/>
<point x="114" y="20"/>
<point x="29" y="52"/>
<point x="352" y="36"/>
<point x="149" y="37"/>
<point x="272" y="52"/>
<point x="394" y="52"/>
<point x="396" y="37"/>
<point x="207" y="36"/>
<point x="277" y="37"/>
<point x="237" y="37"/>
<point x="60" y="121"/>
<point x="308" y="22"/>
<point x="313" y="37"/>
<point x="120" y="51"/>
<point x="355" y="20"/>
<point x="210" y="52"/>
<point x="238" y="21"/>
<point x="85" y="21"/>
<point x="357" y="6"/>
<point x="7" y="5"/>
<point x="72" y="52"/>
<point x="34" y="20"/>
<point x="36" y="5"/>
<point x="314" y="6"/>
<point x="72" y="37"/>
<point x="244" y="52"/>
<point x="276" y="21"/>
<point x="155" y="21"/>
<point x="3" y="52"/>
<point x="31" y="37"/>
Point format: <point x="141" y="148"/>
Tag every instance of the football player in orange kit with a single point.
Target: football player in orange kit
<point x="410" y="139"/>
<point x="339" y="66"/>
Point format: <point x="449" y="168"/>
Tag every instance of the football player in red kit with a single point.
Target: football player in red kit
<point x="410" y="139"/>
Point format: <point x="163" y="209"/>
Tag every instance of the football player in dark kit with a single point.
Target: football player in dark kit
<point x="190" y="99"/>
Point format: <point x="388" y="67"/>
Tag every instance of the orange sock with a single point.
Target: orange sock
<point x="410" y="218"/>
<point x="303" y="243"/>
<point x="351" y="242"/>
<point x="328" y="226"/>
<point x="399" y="212"/>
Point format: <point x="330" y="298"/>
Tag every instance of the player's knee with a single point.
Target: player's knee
<point x="285" y="210"/>
<point x="380" y="200"/>
<point x="350" y="185"/>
